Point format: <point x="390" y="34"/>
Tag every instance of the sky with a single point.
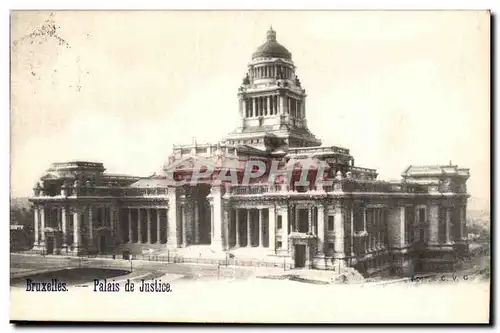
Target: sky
<point x="396" y="88"/>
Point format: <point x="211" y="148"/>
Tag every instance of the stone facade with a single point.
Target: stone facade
<point x="376" y="227"/>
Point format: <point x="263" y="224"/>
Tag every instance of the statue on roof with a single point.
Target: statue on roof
<point x="246" y="79"/>
<point x="297" y="81"/>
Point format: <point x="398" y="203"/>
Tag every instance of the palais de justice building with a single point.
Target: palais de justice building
<point x="415" y="224"/>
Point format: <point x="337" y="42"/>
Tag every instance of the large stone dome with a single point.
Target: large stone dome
<point x="271" y="48"/>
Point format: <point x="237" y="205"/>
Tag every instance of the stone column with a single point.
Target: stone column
<point x="448" y="225"/>
<point x="321" y="230"/>
<point x="249" y="217"/>
<point x="272" y="228"/>
<point x="139" y="231"/>
<point x="76" y="230"/>
<point x="261" y="222"/>
<point x="35" y="218"/>
<point x="237" y="212"/>
<point x="281" y="101"/>
<point x="91" y="232"/>
<point x="284" y="235"/>
<point x="433" y="224"/>
<point x="226" y="228"/>
<point x="402" y="223"/>
<point x="148" y="217"/>
<point x="339" y="235"/>
<point x="129" y="225"/>
<point x="42" y="225"/>
<point x="63" y="225"/>
<point x="196" y="223"/>
<point x="268" y="98"/>
<point x="254" y="107"/>
<point x="216" y="242"/>
<point x="172" y="218"/>
<point x="158" y="226"/>
<point x="184" y="225"/>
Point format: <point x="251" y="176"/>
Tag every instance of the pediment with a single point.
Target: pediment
<point x="190" y="163"/>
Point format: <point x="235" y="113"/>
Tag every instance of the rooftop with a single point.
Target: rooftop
<point x="271" y="48"/>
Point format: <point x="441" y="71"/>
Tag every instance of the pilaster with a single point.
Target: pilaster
<point x="216" y="193"/>
<point x="172" y="218"/>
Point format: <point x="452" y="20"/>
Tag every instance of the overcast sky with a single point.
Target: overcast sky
<point x="396" y="88"/>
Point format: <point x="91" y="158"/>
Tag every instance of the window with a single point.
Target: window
<point x="279" y="245"/>
<point x="330" y="222"/>
<point x="421" y="215"/>
<point x="280" y="222"/>
<point x="303" y="220"/>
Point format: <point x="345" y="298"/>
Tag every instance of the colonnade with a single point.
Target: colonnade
<point x="265" y="231"/>
<point x="60" y="218"/>
<point x="139" y="225"/>
<point x="270" y="105"/>
<point x="271" y="71"/>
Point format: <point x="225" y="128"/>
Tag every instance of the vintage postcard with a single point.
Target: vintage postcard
<point x="250" y="166"/>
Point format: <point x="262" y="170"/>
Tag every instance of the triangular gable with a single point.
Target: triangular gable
<point x="250" y="150"/>
<point x="189" y="163"/>
<point x="49" y="176"/>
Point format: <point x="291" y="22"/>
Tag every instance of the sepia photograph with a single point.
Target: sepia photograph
<point x="250" y="166"/>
